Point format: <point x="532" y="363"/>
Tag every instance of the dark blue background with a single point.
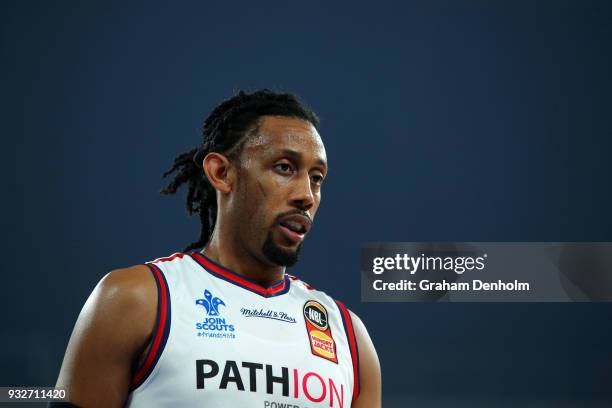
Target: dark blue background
<point x="445" y="120"/>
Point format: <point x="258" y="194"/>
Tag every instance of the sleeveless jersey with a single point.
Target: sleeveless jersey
<point x="222" y="340"/>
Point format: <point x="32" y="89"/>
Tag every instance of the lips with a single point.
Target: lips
<point x="300" y="224"/>
<point x="295" y="226"/>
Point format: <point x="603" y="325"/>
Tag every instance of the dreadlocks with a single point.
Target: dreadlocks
<point x="223" y="132"/>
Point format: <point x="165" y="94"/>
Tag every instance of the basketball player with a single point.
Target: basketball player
<point x="226" y="326"/>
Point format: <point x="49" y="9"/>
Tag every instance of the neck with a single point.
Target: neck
<point x="238" y="259"/>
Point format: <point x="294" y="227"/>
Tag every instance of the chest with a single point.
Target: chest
<point x="226" y="342"/>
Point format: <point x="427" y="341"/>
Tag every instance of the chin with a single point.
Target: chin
<point x="282" y="256"/>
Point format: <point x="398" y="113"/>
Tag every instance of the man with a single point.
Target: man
<point x="226" y="326"/>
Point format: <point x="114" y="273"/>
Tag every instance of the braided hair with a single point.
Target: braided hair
<point x="223" y="132"/>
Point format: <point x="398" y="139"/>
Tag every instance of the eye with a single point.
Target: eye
<point x="283" y="167"/>
<point x="317" y="179"/>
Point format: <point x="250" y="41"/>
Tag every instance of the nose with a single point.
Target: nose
<point x="302" y="196"/>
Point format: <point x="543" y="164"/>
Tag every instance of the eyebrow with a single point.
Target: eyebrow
<point x="298" y="156"/>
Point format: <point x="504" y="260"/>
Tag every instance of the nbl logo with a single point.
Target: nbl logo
<point x="316" y="314"/>
<point x="322" y="343"/>
<point x="210" y="303"/>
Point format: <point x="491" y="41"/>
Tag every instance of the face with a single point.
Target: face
<point x="280" y="173"/>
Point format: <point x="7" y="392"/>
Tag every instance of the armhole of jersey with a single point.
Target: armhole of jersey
<point x="160" y="330"/>
<point x="352" y="341"/>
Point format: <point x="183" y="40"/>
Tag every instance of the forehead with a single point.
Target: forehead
<point x="277" y="133"/>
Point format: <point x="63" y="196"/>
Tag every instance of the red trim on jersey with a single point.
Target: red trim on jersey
<point x="169" y="258"/>
<point x="240" y="280"/>
<point x="350" y="334"/>
<point x="160" y="332"/>
<point x="307" y="285"/>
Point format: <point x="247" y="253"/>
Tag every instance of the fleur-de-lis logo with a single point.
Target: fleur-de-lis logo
<point x="211" y="303"/>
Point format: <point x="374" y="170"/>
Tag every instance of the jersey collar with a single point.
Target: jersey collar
<point x="278" y="288"/>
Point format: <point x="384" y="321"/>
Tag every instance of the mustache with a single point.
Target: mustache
<point x="292" y="212"/>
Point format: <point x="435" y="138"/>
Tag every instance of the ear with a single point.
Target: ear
<point x="219" y="171"/>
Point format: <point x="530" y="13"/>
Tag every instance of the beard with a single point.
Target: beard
<point x="278" y="255"/>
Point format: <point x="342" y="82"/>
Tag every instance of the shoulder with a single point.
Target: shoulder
<point x="120" y="311"/>
<point x="362" y="335"/>
<point x="110" y="334"/>
<point x="131" y="286"/>
<point x="124" y="300"/>
<point x="356" y="320"/>
<point x="119" y="315"/>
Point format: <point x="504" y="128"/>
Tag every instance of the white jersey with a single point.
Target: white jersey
<point x="222" y="340"/>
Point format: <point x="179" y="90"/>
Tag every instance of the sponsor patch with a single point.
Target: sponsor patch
<point x="267" y="314"/>
<point x="213" y="325"/>
<point x="322" y="343"/>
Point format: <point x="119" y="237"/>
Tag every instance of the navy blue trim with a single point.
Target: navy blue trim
<point x="164" y="340"/>
<point x="271" y="286"/>
<point x="282" y="292"/>
<point x="348" y="339"/>
<point x="285" y="278"/>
